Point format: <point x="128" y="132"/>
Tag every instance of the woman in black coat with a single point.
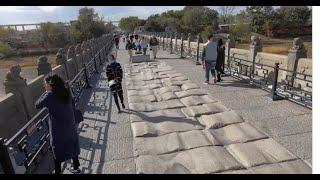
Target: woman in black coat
<point x="64" y="139"/>
<point x="220" y="59"/>
<point x="114" y="76"/>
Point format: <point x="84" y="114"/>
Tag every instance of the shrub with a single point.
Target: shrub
<point x="6" y="49"/>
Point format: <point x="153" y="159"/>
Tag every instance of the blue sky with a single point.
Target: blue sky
<point x="36" y="14"/>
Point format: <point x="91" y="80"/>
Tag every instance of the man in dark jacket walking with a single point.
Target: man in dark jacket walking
<point x="114" y="75"/>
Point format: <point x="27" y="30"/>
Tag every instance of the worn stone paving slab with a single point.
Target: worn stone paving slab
<point x="165" y="96"/>
<point x="140" y="93"/>
<point x="139" y="99"/>
<point x="175" y="75"/>
<point x="154" y="106"/>
<point x="173" y="82"/>
<point x="289" y="167"/>
<point x="237" y="133"/>
<point x="143" y="87"/>
<point x="201" y="160"/>
<point x="218" y="120"/>
<point x="191" y="92"/>
<point x="167" y="89"/>
<point x="188" y="86"/>
<point x="157" y="145"/>
<point x="157" y="116"/>
<point x="148" y="129"/>
<point x="212" y="108"/>
<point x="265" y="151"/>
<point x="173" y="142"/>
<point x="197" y="100"/>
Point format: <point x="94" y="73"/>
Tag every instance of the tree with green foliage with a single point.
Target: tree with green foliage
<point x="292" y="20"/>
<point x="89" y="25"/>
<point x="192" y="19"/>
<point x="53" y="34"/>
<point x="6" y="50"/>
<point x="259" y="15"/>
<point x="130" y="23"/>
<point x="196" y="18"/>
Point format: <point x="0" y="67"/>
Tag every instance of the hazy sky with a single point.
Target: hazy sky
<point x="36" y="14"/>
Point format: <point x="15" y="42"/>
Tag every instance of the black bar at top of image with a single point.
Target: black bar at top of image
<point x="160" y="2"/>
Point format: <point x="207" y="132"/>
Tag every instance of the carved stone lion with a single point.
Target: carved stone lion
<point x="14" y="74"/>
<point x="60" y="58"/>
<point x="43" y="66"/>
<point x="297" y="44"/>
<point x="256" y="41"/>
<point x="78" y="49"/>
<point x="71" y="52"/>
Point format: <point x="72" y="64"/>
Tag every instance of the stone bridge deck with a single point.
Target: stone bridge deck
<point x="178" y="125"/>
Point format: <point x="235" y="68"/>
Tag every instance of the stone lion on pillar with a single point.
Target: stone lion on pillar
<point x="297" y="44"/>
<point x="60" y="58"/>
<point x="14" y="74"/>
<point x="71" y="52"/>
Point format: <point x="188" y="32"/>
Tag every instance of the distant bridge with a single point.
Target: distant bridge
<point x="37" y="25"/>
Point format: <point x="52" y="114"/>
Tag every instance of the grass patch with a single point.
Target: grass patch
<point x="279" y="48"/>
<point x="29" y="61"/>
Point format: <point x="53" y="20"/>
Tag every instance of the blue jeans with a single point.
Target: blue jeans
<point x="210" y="66"/>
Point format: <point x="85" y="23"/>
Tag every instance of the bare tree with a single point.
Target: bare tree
<point x="226" y="12"/>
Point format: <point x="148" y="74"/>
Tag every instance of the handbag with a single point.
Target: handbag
<point x="78" y="116"/>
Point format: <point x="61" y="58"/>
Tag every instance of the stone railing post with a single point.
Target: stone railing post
<point x="189" y="43"/>
<point x="171" y="43"/>
<point x="17" y="85"/>
<point x="176" y="41"/>
<point x="181" y="46"/>
<point x="255" y="47"/>
<point x="229" y="44"/>
<point x="43" y="66"/>
<point x="295" y="53"/>
<point x="163" y="43"/>
<point x="198" y="49"/>
<point x="167" y="40"/>
<point x="71" y="54"/>
<point x="61" y="60"/>
<point x="78" y="56"/>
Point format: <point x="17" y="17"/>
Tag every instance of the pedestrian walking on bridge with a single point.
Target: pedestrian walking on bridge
<point x="220" y="60"/>
<point x="114" y="75"/>
<point x="209" y="59"/>
<point x="144" y="45"/>
<point x="64" y="138"/>
<point x="129" y="47"/>
<point x="154" y="46"/>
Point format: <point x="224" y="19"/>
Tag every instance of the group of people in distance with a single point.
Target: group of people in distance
<point x="134" y="42"/>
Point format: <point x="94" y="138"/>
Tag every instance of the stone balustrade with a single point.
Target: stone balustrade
<point x="295" y="61"/>
<point x="17" y="107"/>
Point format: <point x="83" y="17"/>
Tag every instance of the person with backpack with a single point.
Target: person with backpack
<point x="114" y="75"/>
<point x="154" y="43"/>
<point x="209" y="59"/>
<point x="64" y="139"/>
